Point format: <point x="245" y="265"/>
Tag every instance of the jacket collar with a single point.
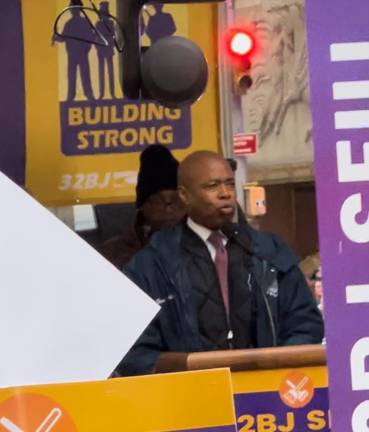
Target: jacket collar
<point x="166" y="244"/>
<point x="270" y="247"/>
<point x="265" y="246"/>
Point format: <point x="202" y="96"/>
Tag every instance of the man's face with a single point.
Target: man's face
<point x="162" y="209"/>
<point x="210" y="196"/>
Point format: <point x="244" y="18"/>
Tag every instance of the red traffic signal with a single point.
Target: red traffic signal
<point x="241" y="43"/>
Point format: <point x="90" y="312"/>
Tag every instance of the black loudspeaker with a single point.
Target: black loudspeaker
<point x="174" y="71"/>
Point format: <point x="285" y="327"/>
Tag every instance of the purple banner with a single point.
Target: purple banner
<point x="338" y="40"/>
<point x="12" y="110"/>
<point x="265" y="411"/>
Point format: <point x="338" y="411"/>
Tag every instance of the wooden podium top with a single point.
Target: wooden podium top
<point x="245" y="359"/>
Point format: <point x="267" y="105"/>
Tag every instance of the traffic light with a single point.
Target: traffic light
<point x="172" y="71"/>
<point x="240" y="45"/>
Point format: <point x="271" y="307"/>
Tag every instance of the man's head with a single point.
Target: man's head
<point x="158" y="7"/>
<point x="206" y="185"/>
<point x="76" y="11"/>
<point x="156" y="192"/>
<point x="104" y="7"/>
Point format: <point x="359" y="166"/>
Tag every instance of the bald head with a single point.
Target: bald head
<point x="206" y="186"/>
<point x="194" y="164"/>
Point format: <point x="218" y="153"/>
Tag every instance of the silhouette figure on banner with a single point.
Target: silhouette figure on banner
<point x="106" y="27"/>
<point x="160" y="24"/>
<point x="77" y="51"/>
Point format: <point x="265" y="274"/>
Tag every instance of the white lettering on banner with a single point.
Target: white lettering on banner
<point x="360" y="418"/>
<point x="351" y="90"/>
<point x="94" y="180"/>
<point x="352" y="206"/>
<point x="357" y="294"/>
<point x="359" y="376"/>
<point x="358" y="119"/>
<point x="350" y="51"/>
<point x="348" y="171"/>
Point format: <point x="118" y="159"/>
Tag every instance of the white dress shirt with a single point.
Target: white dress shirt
<point x="204" y="234"/>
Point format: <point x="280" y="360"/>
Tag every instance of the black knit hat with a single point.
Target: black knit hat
<point x="158" y="171"/>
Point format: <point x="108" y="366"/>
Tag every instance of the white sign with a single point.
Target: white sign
<point x="66" y="314"/>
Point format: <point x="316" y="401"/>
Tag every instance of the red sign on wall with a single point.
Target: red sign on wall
<point x="244" y="144"/>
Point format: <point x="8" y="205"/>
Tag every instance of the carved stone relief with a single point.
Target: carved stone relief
<point x="276" y="107"/>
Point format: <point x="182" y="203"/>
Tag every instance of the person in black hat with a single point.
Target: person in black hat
<point x="157" y="203"/>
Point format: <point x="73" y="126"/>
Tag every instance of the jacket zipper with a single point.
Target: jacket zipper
<point x="267" y="305"/>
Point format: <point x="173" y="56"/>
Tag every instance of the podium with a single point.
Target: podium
<point x="244" y="359"/>
<point x="275" y="389"/>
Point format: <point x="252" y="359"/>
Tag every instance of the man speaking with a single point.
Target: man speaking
<point x="220" y="285"/>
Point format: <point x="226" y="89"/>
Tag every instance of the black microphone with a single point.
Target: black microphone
<point x="232" y="231"/>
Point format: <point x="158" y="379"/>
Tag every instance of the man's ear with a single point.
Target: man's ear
<point x="183" y="195"/>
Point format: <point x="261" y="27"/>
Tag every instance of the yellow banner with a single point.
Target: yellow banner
<point x="83" y="138"/>
<point x="198" y="401"/>
<point x="283" y="400"/>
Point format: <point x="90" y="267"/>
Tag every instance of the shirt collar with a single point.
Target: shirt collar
<point x="201" y="231"/>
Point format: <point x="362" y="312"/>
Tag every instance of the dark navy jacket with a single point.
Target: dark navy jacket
<point x="287" y="313"/>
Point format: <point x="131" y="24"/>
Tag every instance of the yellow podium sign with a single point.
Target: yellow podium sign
<point x="191" y="401"/>
<point x="286" y="400"/>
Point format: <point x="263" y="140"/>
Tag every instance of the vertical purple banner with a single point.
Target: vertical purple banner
<point x="12" y="108"/>
<point x="338" y="40"/>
